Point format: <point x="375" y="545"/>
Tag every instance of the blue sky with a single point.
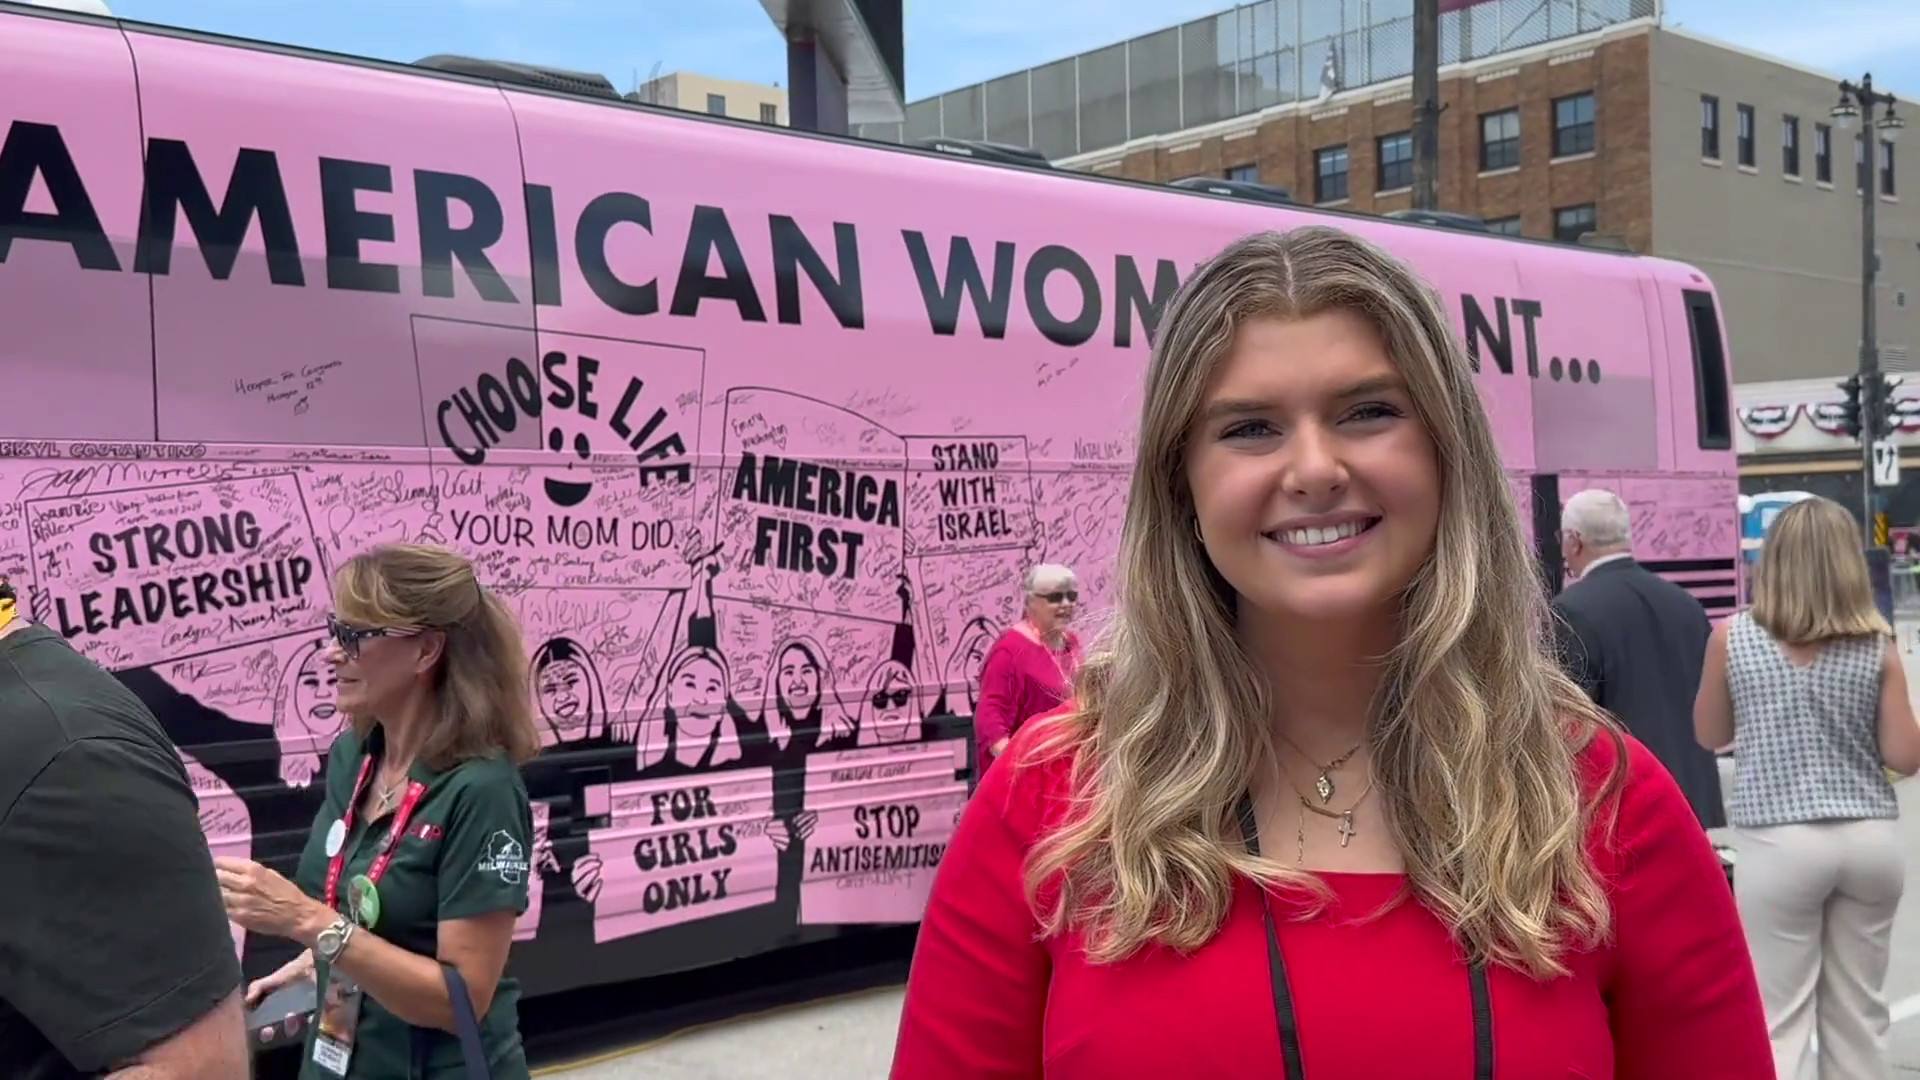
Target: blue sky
<point x="950" y="43"/>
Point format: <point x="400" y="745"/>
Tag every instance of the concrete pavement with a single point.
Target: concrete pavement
<point x="848" y="1038"/>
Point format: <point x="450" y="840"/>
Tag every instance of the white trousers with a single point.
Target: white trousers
<point x="1818" y="902"/>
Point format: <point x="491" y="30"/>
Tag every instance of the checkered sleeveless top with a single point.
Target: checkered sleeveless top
<point x="1806" y="745"/>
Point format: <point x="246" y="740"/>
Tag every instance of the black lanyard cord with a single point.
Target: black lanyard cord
<point x="1289" y="1024"/>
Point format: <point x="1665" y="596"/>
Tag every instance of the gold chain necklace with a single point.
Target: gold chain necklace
<point x="1345" y="818"/>
<point x="1323" y="785"/>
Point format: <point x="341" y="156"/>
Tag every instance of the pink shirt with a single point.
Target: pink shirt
<point x="1020" y="679"/>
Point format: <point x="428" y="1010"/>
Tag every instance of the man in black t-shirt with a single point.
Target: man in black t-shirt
<point x="115" y="955"/>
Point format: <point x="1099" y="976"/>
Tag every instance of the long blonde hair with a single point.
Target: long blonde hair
<point x="1475" y="730"/>
<point x="481" y="683"/>
<point x="1812" y="584"/>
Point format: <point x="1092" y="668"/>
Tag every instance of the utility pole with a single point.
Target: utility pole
<point x="1861" y="101"/>
<point x="1426" y="104"/>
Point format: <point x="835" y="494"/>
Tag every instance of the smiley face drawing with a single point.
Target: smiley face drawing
<point x="568" y="492"/>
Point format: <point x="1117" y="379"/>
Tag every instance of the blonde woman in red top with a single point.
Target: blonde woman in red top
<point x="1325" y="806"/>
<point x="1030" y="667"/>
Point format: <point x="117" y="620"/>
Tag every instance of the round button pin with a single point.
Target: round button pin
<point x="365" y="898"/>
<point x="336" y="838"/>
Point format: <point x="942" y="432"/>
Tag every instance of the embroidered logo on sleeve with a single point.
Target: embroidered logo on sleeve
<point x="505" y="857"/>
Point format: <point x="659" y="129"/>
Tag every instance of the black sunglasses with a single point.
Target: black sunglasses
<point x="899" y="698"/>
<point x="350" y="637"/>
<point x="1064" y="596"/>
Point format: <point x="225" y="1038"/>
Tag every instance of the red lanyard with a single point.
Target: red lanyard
<point x="401" y="815"/>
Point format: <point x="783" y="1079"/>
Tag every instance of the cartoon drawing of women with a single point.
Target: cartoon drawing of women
<point x="969" y="656"/>
<point x="801" y="708"/>
<point x="568" y="692"/>
<point x="803" y="713"/>
<point x="692" y="724"/>
<point x="891" y="710"/>
<point x="889" y="713"/>
<point x="307" y="716"/>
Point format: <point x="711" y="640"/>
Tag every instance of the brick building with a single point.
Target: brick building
<point x="1557" y="145"/>
<point x="1560" y="119"/>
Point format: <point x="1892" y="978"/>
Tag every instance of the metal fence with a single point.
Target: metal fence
<point x="1240" y="61"/>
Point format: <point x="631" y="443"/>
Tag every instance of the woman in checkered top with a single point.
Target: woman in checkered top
<point x="1807" y="686"/>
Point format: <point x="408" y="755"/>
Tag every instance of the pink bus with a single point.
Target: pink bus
<point x="757" y="429"/>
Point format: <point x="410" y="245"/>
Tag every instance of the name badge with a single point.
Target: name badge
<point x="339" y="1022"/>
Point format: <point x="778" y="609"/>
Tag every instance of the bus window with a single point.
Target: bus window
<point x="1709" y="372"/>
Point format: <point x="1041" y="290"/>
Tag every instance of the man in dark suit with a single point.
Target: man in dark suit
<point x="1635" y="642"/>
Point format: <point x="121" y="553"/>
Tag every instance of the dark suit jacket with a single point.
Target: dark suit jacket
<point x="1635" y="642"/>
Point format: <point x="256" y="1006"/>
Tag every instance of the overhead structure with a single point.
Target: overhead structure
<point x="846" y="62"/>
<point x="85" y="7"/>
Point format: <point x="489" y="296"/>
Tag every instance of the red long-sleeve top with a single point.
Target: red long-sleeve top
<point x="1671" y="997"/>
<point x="1020" y="679"/>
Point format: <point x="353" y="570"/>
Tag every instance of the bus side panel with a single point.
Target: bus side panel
<point x="1699" y="446"/>
<point x="1595" y="395"/>
<point x="299" y="215"/>
<point x="75" y="353"/>
<point x="1685" y="521"/>
<point x="385" y="197"/>
<point x="766" y="405"/>
<point x="1704" y="464"/>
<point x="1489" y="317"/>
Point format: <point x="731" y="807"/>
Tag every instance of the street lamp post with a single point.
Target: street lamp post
<point x="1861" y="101"/>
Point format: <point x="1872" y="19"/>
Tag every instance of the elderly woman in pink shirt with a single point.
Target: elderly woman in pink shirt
<point x="1030" y="668"/>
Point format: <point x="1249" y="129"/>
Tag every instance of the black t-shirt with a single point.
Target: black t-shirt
<point x="112" y="934"/>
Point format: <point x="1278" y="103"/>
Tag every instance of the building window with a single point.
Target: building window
<point x="1823" y="153"/>
<point x="1570" y="223"/>
<point x="1396" y="162"/>
<point x="769" y="113"/>
<point x="1573" y="125"/>
<point x="1499" y="140"/>
<point x="1790" y="145"/>
<point x="1709" y="127"/>
<point x="1744" y="147"/>
<point x="717" y="104"/>
<point x="1244" y="173"/>
<point x="1506" y="226"/>
<point x="1330" y="174"/>
<point x="1886" y="167"/>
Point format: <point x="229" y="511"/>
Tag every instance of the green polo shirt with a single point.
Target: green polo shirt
<point x="466" y="852"/>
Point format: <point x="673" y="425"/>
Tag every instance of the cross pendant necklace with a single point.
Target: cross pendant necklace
<point x="1323" y="785"/>
<point x="1345" y="817"/>
<point x="383" y="804"/>
<point x="388" y="797"/>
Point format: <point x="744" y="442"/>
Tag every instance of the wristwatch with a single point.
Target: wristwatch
<point x="333" y="940"/>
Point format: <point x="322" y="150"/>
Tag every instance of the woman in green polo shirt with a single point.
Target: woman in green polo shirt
<point x="418" y="861"/>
